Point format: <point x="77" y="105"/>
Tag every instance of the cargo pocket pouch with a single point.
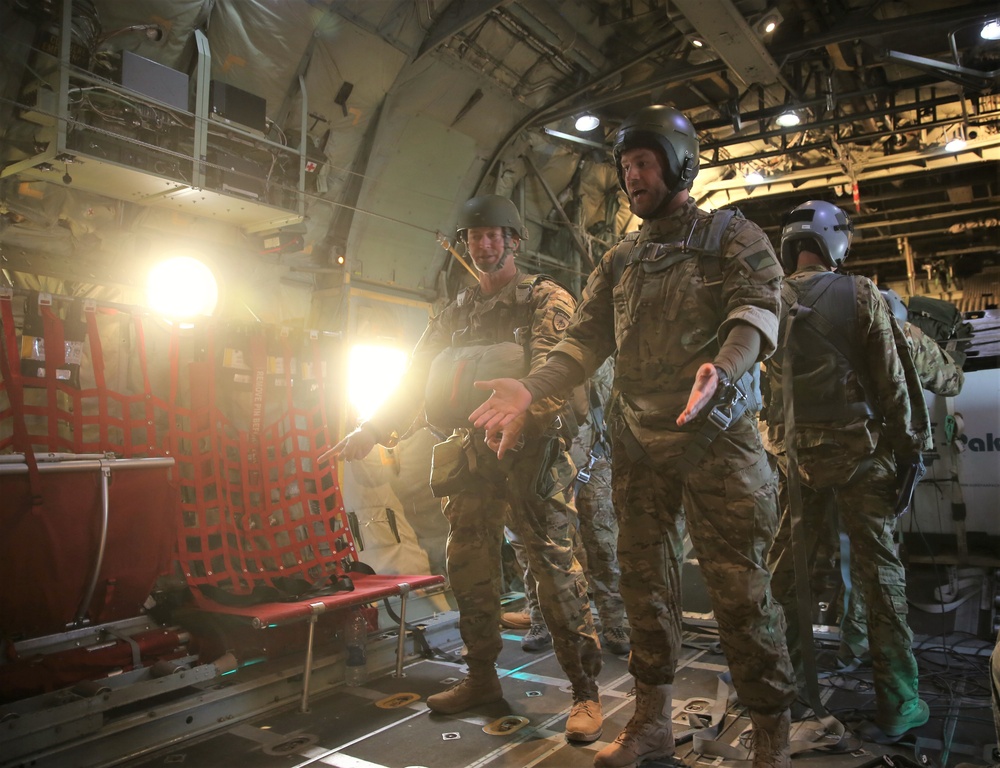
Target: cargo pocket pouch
<point x="452" y="465"/>
<point x="556" y="471"/>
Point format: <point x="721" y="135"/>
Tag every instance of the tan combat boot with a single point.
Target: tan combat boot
<point x="515" y="620"/>
<point x="480" y="687"/>
<point x="648" y="735"/>
<point x="586" y="720"/>
<point x="771" y="740"/>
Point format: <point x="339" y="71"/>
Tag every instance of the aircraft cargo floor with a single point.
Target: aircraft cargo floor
<point x="377" y="725"/>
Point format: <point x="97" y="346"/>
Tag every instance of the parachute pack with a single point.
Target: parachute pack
<point x="450" y="396"/>
<point x="942" y="321"/>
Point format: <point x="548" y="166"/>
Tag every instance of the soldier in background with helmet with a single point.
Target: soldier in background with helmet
<point x="940" y="374"/>
<point x="506" y="306"/>
<point x="858" y="415"/>
<point x="597" y="523"/>
<point x="596" y="527"/>
<point x="687" y="306"/>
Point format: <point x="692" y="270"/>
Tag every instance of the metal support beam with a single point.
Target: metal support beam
<point x="580" y="246"/>
<point x="911" y="276"/>
<point x="542" y="115"/>
<point x="723" y="27"/>
<point x="456" y="17"/>
<point x="203" y="77"/>
<point x="317" y="608"/>
<point x="845" y="119"/>
<point x="404" y="592"/>
<point x="973" y="79"/>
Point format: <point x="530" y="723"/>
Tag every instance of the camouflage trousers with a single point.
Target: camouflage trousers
<point x="730" y="502"/>
<point x="854" y="624"/>
<point x="596" y="547"/>
<point x="867" y="516"/>
<point x="476" y="518"/>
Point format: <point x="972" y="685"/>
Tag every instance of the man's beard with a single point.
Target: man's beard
<point x="508" y="251"/>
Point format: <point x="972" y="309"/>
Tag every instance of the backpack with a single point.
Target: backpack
<point x="943" y="322"/>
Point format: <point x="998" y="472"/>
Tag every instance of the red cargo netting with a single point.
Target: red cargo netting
<point x="256" y="507"/>
<point x="243" y="411"/>
<point x="65" y="401"/>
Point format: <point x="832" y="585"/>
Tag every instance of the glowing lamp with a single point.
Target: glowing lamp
<point x="373" y="371"/>
<point x="181" y="287"/>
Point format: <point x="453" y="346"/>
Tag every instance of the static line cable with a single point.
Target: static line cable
<point x="446" y="244"/>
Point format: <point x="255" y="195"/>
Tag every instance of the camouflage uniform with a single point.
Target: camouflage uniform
<point x="561" y="525"/>
<point x="940" y="374"/>
<point x="596" y="524"/>
<point x="521" y="490"/>
<point x="938" y="371"/>
<point x="853" y="459"/>
<point x="661" y="325"/>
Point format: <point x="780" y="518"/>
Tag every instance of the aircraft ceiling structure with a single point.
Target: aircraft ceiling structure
<point x="878" y="89"/>
<point x="411" y="106"/>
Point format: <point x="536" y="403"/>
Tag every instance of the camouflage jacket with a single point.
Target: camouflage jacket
<point x="663" y="317"/>
<point x="537" y="303"/>
<point x="889" y="377"/>
<point x="938" y="371"/>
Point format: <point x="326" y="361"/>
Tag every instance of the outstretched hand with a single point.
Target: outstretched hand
<point x="355" y="446"/>
<point x="503" y="414"/>
<point x="706" y="381"/>
<point x="510" y="398"/>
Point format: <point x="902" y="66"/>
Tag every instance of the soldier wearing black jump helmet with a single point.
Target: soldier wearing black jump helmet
<point x="688" y="306"/>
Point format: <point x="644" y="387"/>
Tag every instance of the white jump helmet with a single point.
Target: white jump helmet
<point x="896" y="306"/>
<point x="825" y="225"/>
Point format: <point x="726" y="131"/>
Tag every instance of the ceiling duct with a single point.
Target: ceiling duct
<point x="720" y="24"/>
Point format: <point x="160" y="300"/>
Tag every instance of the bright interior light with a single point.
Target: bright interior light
<point x="586" y="123"/>
<point x="754" y="177"/>
<point x="788" y="119"/>
<point x="696" y="42"/>
<point x="955" y="145"/>
<point x="373" y="371"/>
<point x="990" y="30"/>
<point x="181" y="287"/>
<point x="769" y="22"/>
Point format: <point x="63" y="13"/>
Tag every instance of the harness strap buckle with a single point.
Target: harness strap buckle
<point x="725" y="412"/>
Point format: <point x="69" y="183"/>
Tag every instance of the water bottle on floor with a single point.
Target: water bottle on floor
<point x="356" y="638"/>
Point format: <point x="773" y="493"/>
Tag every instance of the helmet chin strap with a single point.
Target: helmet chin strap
<point x="669" y="198"/>
<point x="679" y="184"/>
<point x="508" y="251"/>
